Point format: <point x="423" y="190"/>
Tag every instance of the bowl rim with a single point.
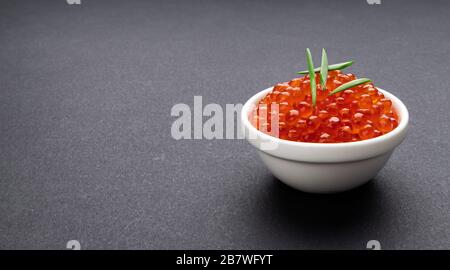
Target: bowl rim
<point x="397" y="103"/>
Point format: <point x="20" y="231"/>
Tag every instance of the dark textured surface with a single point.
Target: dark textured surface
<point x="85" y="144"/>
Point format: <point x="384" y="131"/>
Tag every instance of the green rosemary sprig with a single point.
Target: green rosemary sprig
<point x="350" y="84"/>
<point x="312" y="76"/>
<point x="324" y="70"/>
<point x="338" y="66"/>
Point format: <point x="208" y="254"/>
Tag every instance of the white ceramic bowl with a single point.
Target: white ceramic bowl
<point x="324" y="167"/>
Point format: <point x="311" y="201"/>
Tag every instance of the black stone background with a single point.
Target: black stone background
<point x="85" y="142"/>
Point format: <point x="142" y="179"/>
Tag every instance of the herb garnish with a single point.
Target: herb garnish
<point x="324" y="70"/>
<point x="312" y="76"/>
<point x="338" y="66"/>
<point x="350" y="84"/>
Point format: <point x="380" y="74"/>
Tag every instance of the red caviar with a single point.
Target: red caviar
<point x="359" y="113"/>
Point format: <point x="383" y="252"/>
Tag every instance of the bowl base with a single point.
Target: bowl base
<point x="324" y="177"/>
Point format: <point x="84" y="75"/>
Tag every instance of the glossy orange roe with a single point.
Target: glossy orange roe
<point x="356" y="114"/>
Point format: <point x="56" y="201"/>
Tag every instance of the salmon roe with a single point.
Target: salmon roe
<point x="359" y="113"/>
